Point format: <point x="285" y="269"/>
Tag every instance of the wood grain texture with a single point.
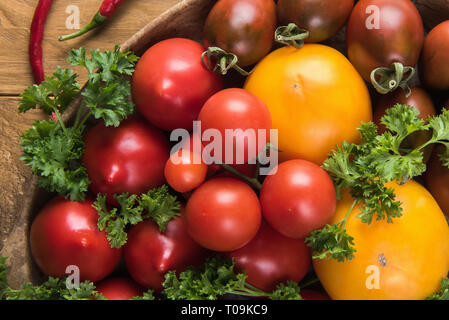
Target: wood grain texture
<point x="15" y="20"/>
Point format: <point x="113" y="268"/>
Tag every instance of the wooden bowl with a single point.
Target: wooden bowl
<point x="186" y="19"/>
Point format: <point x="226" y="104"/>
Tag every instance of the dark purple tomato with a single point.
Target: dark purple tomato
<point x="418" y="99"/>
<point x="170" y="84"/>
<point x="322" y="18"/>
<point x="380" y="32"/>
<point x="243" y="27"/>
<point x="434" y="63"/>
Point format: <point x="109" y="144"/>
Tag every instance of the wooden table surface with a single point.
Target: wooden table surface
<point x="15" y="73"/>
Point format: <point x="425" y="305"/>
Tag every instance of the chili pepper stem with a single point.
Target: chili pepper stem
<point x="96" y="22"/>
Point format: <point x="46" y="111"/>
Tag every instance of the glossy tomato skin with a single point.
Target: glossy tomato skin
<point x="237" y="109"/>
<point x="437" y="181"/>
<point x="312" y="110"/>
<point x="298" y="199"/>
<point x="119" y="289"/>
<point x="170" y="84"/>
<point x="65" y="233"/>
<point x="321" y="18"/>
<point x="223" y="214"/>
<point x="150" y="254"/>
<point x="129" y="158"/>
<point x="271" y="259"/>
<point x="434" y="62"/>
<point x="243" y="27"/>
<point x="398" y="38"/>
<point x="411" y="253"/>
<point x="186" y="175"/>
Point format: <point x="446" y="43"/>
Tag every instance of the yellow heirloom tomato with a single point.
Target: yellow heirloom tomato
<point x="403" y="260"/>
<point x="316" y="99"/>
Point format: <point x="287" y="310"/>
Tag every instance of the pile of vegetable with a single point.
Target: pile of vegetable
<point x="354" y="208"/>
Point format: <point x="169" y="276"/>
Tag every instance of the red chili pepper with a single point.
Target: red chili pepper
<point x="36" y="36"/>
<point x="106" y="11"/>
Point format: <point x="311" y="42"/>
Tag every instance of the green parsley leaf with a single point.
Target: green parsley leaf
<point x="107" y="93"/>
<point x="332" y="242"/>
<point x="54" y="155"/>
<point x="114" y="222"/>
<point x="160" y="206"/>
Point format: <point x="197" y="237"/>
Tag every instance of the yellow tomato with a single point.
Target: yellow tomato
<point x="405" y="259"/>
<point x="316" y="99"/>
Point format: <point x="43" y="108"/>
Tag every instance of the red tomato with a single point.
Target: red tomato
<point x="223" y="214"/>
<point x="186" y="175"/>
<point x="119" y="289"/>
<point x="437" y="181"/>
<point x="271" y="258"/>
<point x="313" y="295"/>
<point x="65" y="233"/>
<point x="236" y="109"/>
<point x="298" y="199"/>
<point x="398" y="37"/>
<point x="150" y="254"/>
<point x="129" y="158"/>
<point x="418" y="99"/>
<point x="170" y="83"/>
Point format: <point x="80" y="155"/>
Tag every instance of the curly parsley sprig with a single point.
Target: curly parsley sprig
<point x="52" y="150"/>
<point x="218" y="278"/>
<point x="52" y="289"/>
<point x="443" y="293"/>
<point x="364" y="169"/>
<point x="157" y="204"/>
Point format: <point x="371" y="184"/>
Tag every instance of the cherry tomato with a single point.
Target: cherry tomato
<point x="65" y="233"/>
<point x="119" y="289"/>
<point x="170" y="84"/>
<point x="150" y="254"/>
<point x="437" y="181"/>
<point x="316" y="99"/>
<point x="271" y="258"/>
<point x="232" y="109"/>
<point x="322" y="18"/>
<point x="223" y="214"/>
<point x="243" y="27"/>
<point x="129" y="158"/>
<point x="298" y="199"/>
<point x="380" y="32"/>
<point x="186" y="175"/>
<point x="434" y="63"/>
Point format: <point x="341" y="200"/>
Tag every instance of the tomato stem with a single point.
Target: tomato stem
<point x="291" y="35"/>
<point x="252" y="181"/>
<point x="388" y="79"/>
